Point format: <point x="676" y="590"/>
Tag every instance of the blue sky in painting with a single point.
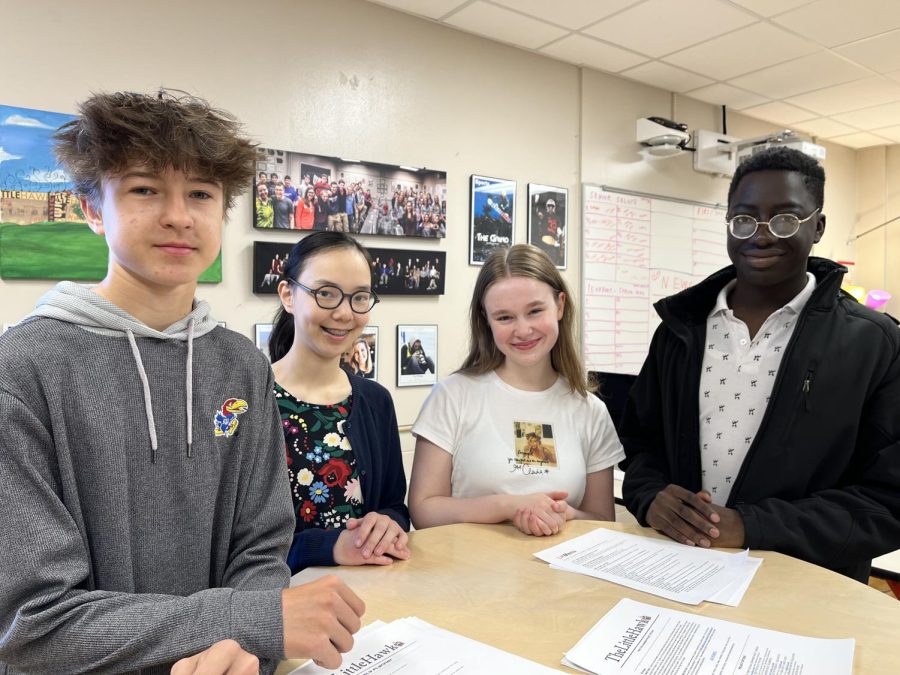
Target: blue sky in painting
<point x="26" y="154"/>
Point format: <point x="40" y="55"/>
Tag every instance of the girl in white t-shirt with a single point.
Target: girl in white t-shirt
<point x="516" y="433"/>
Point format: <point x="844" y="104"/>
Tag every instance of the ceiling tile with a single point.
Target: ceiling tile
<point x="659" y="27"/>
<point x="881" y="54"/>
<point x="892" y="133"/>
<point x="433" y="9"/>
<point x="724" y="94"/>
<point x="589" y="52"/>
<point x="837" y="22"/>
<point x="801" y="75"/>
<point x="572" y="14"/>
<point x="850" y="96"/>
<point x="751" y="48"/>
<point x="860" y="139"/>
<point x="770" y="7"/>
<point x="824" y="127"/>
<point x="872" y="118"/>
<point x="778" y="112"/>
<point x="501" y="24"/>
<point x="666" y="77"/>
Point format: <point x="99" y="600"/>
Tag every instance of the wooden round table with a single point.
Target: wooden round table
<point x="483" y="582"/>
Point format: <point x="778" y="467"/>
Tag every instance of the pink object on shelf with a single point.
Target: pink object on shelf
<point x="876" y="299"/>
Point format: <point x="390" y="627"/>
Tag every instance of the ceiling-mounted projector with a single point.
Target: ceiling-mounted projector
<point x="662" y="137"/>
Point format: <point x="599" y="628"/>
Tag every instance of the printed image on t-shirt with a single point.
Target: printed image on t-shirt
<point x="535" y="444"/>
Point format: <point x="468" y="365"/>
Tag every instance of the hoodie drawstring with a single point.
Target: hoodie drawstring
<point x="189" y="386"/>
<point x="148" y="402"/>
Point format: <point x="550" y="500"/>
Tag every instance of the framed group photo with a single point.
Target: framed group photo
<point x="416" y="355"/>
<point x="547" y="224"/>
<point x="299" y="191"/>
<point x="269" y="258"/>
<point x="400" y="271"/>
<point x="492" y="216"/>
<point x="362" y="357"/>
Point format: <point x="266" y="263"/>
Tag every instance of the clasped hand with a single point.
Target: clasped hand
<point x="375" y="539"/>
<point x="543" y="513"/>
<point x="692" y="519"/>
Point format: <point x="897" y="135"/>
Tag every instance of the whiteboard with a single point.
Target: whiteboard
<point x="637" y="249"/>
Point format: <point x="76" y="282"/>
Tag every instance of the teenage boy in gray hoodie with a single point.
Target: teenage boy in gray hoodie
<point x="145" y="512"/>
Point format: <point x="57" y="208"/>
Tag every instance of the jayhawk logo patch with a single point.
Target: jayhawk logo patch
<point x="226" y="419"/>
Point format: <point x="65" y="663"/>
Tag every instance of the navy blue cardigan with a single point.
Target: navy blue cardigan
<point x="372" y="431"/>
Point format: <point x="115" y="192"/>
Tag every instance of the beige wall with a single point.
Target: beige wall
<point x="878" y="201"/>
<point x="349" y="78"/>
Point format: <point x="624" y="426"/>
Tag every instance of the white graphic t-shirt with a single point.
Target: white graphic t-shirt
<point x="508" y="441"/>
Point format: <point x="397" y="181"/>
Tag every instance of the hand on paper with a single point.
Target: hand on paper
<point x="375" y="539"/>
<point x="684" y="516"/>
<point x="223" y="658"/>
<point x="320" y="619"/>
<point x="542" y="514"/>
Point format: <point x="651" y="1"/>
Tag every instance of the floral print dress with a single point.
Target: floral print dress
<point x="324" y="477"/>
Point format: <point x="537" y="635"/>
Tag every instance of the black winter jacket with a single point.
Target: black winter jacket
<point x="821" y="480"/>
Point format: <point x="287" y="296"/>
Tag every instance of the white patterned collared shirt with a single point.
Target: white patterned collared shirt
<point x="736" y="383"/>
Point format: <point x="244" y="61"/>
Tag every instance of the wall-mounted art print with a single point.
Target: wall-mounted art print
<point x="400" y="271"/>
<point x="416" y="355"/>
<point x="297" y="191"/>
<point x="362" y="357"/>
<point x="43" y="233"/>
<point x="547" y="225"/>
<point x="262" y="333"/>
<point x="269" y="258"/>
<point x="492" y="216"/>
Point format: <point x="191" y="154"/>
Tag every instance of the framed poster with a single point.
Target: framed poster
<point x="262" y="333"/>
<point x="402" y="271"/>
<point x="268" y="264"/>
<point x="547" y="224"/>
<point x="43" y="232"/>
<point x="492" y="216"/>
<point x="362" y="357"/>
<point x="416" y="355"/>
<point x="299" y="191"/>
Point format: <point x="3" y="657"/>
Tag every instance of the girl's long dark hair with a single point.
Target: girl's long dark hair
<point x="282" y="337"/>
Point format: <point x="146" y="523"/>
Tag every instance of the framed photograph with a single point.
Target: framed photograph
<point x="268" y="263"/>
<point x="547" y="224"/>
<point x="298" y="191"/>
<point x="401" y="271"/>
<point x="416" y="355"/>
<point x="362" y="357"/>
<point x="263" y="331"/>
<point x="492" y="217"/>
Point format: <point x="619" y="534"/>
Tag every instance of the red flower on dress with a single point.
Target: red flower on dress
<point x="308" y="511"/>
<point x="334" y="472"/>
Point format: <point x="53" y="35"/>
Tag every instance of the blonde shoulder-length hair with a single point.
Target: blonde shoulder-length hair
<point x="523" y="260"/>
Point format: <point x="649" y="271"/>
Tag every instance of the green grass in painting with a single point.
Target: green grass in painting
<point x="62" y="250"/>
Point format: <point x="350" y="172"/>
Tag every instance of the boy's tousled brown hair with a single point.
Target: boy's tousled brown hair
<point x="170" y="130"/>
<point x="523" y="260"/>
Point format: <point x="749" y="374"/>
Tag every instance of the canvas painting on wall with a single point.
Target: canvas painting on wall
<point x="269" y="258"/>
<point x="297" y="191"/>
<point x="43" y="233"/>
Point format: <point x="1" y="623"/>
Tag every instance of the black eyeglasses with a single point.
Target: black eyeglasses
<point x="783" y="225"/>
<point x="331" y="297"/>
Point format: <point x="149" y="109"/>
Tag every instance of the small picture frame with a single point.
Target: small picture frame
<point x="263" y="332"/>
<point x="547" y="221"/>
<point x="492" y="216"/>
<point x="416" y="355"/>
<point x="269" y="259"/>
<point x="362" y="357"/>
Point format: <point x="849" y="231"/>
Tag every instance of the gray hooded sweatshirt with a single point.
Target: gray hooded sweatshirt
<point x="145" y="510"/>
